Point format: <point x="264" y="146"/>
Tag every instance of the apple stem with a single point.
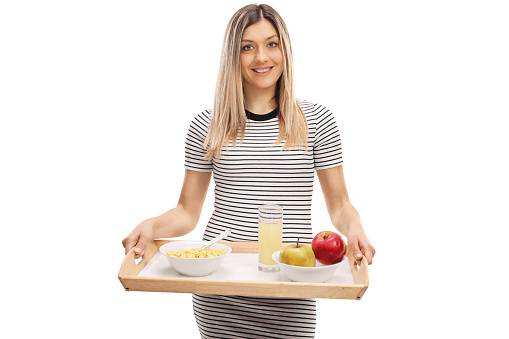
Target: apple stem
<point x="297" y="242"/>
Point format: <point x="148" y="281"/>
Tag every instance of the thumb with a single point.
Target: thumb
<point x="139" y="248"/>
<point x="356" y="251"/>
<point x="128" y="243"/>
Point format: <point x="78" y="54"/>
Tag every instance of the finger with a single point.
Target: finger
<point x="141" y="245"/>
<point x="369" y="257"/>
<point x="356" y="251"/>
<point x="370" y="261"/>
<point x="368" y="253"/>
<point x="128" y="243"/>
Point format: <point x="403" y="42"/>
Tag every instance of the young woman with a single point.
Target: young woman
<point x="263" y="147"/>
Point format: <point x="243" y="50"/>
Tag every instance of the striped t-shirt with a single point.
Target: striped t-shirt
<point x="253" y="173"/>
<point x="257" y="172"/>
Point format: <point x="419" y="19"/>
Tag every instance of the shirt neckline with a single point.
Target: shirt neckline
<point x="262" y="117"/>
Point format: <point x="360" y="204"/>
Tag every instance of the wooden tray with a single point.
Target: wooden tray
<point x="131" y="279"/>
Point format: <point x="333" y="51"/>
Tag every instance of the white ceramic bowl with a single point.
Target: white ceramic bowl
<point x="194" y="267"/>
<point x="320" y="273"/>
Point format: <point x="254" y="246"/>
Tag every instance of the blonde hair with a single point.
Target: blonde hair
<point x="228" y="117"/>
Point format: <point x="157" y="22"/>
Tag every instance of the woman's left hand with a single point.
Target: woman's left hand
<point x="360" y="245"/>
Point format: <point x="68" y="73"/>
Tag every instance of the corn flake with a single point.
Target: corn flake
<point x="196" y="253"/>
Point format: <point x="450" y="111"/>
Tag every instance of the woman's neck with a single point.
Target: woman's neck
<point x="260" y="101"/>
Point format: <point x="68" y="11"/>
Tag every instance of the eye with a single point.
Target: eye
<point x="272" y="44"/>
<point x="247" y="48"/>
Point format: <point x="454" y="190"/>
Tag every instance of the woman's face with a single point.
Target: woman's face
<point x="261" y="58"/>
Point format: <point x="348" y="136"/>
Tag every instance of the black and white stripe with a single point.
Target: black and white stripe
<point x="224" y="317"/>
<point x="256" y="172"/>
<point x="253" y="173"/>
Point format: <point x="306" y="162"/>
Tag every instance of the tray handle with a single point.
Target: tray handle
<point x="130" y="267"/>
<point x="359" y="272"/>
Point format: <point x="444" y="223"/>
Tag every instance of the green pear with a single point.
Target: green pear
<point x="297" y="255"/>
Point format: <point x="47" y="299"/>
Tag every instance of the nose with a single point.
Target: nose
<point x="261" y="55"/>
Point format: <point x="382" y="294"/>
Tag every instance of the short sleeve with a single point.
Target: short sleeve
<point x="327" y="151"/>
<point x="194" y="150"/>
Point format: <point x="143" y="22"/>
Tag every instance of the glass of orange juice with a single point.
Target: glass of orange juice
<point x="270" y="236"/>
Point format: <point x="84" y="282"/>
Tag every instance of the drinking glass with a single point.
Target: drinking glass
<point x="270" y="236"/>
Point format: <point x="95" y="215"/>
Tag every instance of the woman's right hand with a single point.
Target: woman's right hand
<point x="139" y="237"/>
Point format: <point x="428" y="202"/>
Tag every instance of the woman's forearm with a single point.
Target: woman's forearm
<point x="345" y="218"/>
<point x="174" y="223"/>
<point x="347" y="221"/>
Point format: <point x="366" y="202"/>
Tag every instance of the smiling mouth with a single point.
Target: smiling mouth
<point x="262" y="70"/>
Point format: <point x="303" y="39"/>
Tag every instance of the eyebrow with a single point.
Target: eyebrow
<point x="270" y="37"/>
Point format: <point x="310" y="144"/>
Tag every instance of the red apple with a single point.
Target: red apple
<point x="329" y="247"/>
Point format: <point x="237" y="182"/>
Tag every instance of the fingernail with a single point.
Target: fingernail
<point x="137" y="250"/>
<point x="359" y="255"/>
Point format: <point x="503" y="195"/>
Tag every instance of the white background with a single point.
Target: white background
<point x="95" y="101"/>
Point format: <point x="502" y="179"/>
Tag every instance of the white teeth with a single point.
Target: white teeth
<point x="262" y="70"/>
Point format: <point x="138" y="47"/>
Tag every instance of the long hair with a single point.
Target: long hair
<point x="228" y="117"/>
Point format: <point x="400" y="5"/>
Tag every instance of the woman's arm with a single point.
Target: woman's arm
<point x="343" y="215"/>
<point x="176" y="222"/>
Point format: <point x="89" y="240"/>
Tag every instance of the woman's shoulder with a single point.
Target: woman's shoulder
<point x="204" y="117"/>
<point x="312" y="110"/>
<point x="200" y="123"/>
<point x="205" y="114"/>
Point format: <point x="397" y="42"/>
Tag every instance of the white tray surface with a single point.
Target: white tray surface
<point x="238" y="266"/>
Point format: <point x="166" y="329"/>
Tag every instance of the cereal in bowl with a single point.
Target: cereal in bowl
<point x="196" y="253"/>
